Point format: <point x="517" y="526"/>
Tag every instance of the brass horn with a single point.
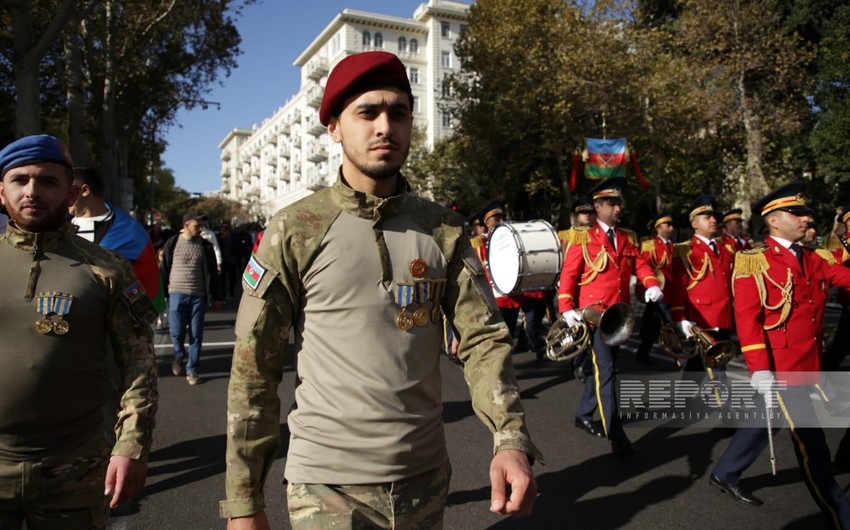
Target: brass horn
<point x="615" y="325"/>
<point x="675" y="344"/>
<point x="715" y="353"/>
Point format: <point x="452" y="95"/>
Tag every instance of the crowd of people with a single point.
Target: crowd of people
<point x="373" y="281"/>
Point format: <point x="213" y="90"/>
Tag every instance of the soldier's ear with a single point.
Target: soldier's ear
<point x="333" y="129"/>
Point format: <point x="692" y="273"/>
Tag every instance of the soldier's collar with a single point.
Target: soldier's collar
<point x="368" y="206"/>
<point x="23" y="240"/>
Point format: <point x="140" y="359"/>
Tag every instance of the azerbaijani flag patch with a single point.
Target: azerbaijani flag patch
<point x="253" y="273"/>
<point x="134" y="292"/>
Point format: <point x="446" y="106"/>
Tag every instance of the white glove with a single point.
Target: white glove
<point x="654" y="294"/>
<point x="764" y="382"/>
<point x="685" y="327"/>
<point x="572" y="317"/>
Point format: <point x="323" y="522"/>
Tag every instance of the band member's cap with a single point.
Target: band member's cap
<point x="735" y="214"/>
<point x="610" y="188"/>
<point x="494" y="208"/>
<point x="704" y="204"/>
<point x="789" y="198"/>
<point x="583" y="204"/>
<point x="360" y="73"/>
<point x="660" y="219"/>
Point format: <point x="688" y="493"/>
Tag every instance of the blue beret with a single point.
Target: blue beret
<point x="32" y="150"/>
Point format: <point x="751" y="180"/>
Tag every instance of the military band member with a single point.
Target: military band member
<point x="702" y="276"/>
<point x="658" y="250"/>
<point x="364" y="270"/>
<point x="780" y="295"/>
<point x="65" y="301"/>
<point x="733" y="231"/>
<point x="583" y="216"/>
<point x="598" y="265"/>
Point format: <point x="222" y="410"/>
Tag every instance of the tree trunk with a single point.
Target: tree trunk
<point x="107" y="125"/>
<point x="29" y="51"/>
<point x="752" y="184"/>
<point x="76" y="98"/>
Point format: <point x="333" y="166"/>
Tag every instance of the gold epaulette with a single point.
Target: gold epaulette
<point x="751" y="262"/>
<point x="633" y="238"/>
<point x="832" y="242"/>
<point x="578" y="235"/>
<point x="648" y="245"/>
<point x="826" y="255"/>
<point x="682" y="250"/>
<point x="476" y="242"/>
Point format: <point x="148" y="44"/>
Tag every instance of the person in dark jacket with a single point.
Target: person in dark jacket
<point x="190" y="275"/>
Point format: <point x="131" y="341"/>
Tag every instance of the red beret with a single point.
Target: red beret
<point x="360" y="73"/>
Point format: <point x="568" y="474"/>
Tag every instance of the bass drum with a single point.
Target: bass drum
<point x="524" y="257"/>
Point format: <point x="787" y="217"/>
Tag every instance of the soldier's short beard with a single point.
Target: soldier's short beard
<point x="378" y="171"/>
<point x="52" y="222"/>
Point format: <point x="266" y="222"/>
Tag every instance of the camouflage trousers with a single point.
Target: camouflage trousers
<point x="416" y="503"/>
<point x="62" y="492"/>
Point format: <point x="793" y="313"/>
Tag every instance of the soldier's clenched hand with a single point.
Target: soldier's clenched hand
<point x="511" y="468"/>
<point x="125" y="479"/>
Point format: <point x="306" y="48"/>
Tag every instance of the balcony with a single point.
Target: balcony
<point x="317" y="153"/>
<point x="314" y="126"/>
<point x="317" y="68"/>
<point x="284" y="151"/>
<point x="314" y="96"/>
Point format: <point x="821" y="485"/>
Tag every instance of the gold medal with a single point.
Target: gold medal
<point x="418" y="268"/>
<point x="420" y="316"/>
<point x="43" y="325"/>
<point x="60" y="326"/>
<point x="436" y="313"/>
<point x="404" y="320"/>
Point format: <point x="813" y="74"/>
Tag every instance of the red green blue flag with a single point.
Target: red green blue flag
<point x="605" y="158"/>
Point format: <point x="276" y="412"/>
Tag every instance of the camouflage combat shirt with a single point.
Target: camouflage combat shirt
<point x="339" y="266"/>
<point x="53" y="381"/>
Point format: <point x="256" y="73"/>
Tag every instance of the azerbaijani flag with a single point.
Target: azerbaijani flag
<point x="129" y="238"/>
<point x="605" y="158"/>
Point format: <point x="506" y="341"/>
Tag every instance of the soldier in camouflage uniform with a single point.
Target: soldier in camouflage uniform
<point x="63" y="299"/>
<point x="364" y="272"/>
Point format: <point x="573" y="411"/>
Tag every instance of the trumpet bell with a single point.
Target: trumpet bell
<point x="614" y="323"/>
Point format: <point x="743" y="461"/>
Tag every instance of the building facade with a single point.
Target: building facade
<point x="290" y="155"/>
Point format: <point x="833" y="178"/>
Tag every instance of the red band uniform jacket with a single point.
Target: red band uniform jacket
<point x="702" y="290"/>
<point x="660" y="257"/>
<point x="594" y="272"/>
<point x="779" y="308"/>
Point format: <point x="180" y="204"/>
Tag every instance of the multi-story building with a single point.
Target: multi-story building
<point x="289" y="155"/>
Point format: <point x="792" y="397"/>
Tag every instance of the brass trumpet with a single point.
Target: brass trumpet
<point x="614" y="324"/>
<point x="715" y="353"/>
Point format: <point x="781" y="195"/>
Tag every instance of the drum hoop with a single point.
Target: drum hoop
<point x="521" y="250"/>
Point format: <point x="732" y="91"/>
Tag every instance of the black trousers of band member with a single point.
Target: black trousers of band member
<point x="811" y="450"/>
<point x="650" y="326"/>
<point x="600" y="389"/>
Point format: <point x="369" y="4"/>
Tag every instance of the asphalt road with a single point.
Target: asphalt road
<point x="581" y="484"/>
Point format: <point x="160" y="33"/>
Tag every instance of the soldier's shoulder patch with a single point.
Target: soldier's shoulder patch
<point x="253" y="273"/>
<point x="647" y="245"/>
<point x="134" y="292"/>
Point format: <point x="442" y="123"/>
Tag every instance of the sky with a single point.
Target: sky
<point x="274" y="33"/>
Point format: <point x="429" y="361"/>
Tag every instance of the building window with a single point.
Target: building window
<point x="446" y="59"/>
<point x="445" y="29"/>
<point x="367" y="39"/>
<point x="336" y="42"/>
<point x="414" y="46"/>
<point x="379" y="40"/>
<point x="462" y="31"/>
<point x="415" y="104"/>
<point x="413" y="75"/>
<point x="402" y="45"/>
<point x="447" y="87"/>
<point x="446" y="120"/>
